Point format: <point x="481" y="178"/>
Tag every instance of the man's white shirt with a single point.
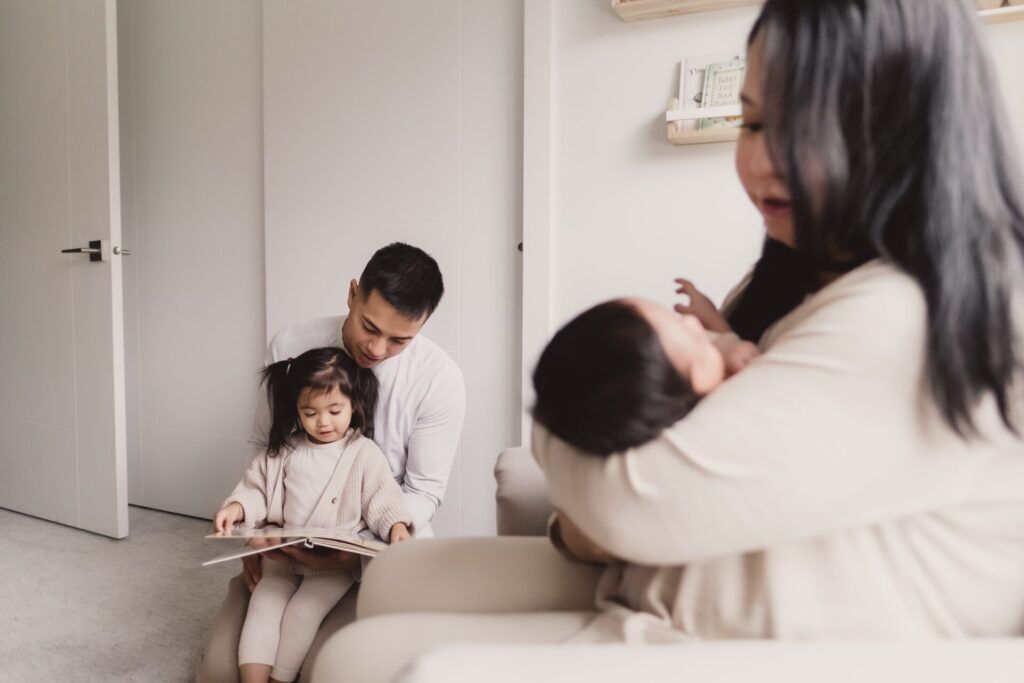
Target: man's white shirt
<point x="419" y="414"/>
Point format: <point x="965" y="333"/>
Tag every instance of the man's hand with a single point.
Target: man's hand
<point x="578" y="544"/>
<point x="337" y="559"/>
<point x="700" y="307"/>
<point x="251" y="571"/>
<point x="227" y="516"/>
<point x="400" y="532"/>
<point x="251" y="564"/>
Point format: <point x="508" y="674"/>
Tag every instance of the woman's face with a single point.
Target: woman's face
<point x="762" y="181"/>
<point x="686" y="345"/>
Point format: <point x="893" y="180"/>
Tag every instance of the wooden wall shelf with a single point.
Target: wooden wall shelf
<point x="675" y="117"/>
<point x="636" y="10"/>
<point x="1002" y="14"/>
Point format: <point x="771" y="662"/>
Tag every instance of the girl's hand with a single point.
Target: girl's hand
<point x="227" y="516"/>
<point x="400" y="532"/>
<point x="701" y="307"/>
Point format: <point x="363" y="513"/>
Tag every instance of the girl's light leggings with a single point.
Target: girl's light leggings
<point x="285" y="612"/>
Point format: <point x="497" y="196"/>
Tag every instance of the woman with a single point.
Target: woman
<point x="864" y="477"/>
<point x="871" y="484"/>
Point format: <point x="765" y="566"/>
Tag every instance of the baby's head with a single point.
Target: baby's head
<point x="619" y="373"/>
<point x="322" y="392"/>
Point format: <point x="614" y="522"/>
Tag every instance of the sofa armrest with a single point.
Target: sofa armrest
<point x="522" y="497"/>
<point x="475" y="575"/>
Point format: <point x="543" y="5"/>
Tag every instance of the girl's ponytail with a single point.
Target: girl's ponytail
<point x="364" y="399"/>
<point x="282" y="405"/>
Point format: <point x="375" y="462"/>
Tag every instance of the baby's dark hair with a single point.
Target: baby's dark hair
<point x="604" y="383"/>
<point x="320" y="371"/>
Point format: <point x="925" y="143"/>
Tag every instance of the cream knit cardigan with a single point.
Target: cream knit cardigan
<point x="361" y="493"/>
<point x="816" y="494"/>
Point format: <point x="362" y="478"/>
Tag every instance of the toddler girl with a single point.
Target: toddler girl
<point x="319" y="469"/>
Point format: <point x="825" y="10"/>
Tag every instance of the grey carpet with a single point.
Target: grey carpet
<point x="75" y="606"/>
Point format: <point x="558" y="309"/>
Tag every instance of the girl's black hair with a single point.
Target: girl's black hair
<point x="320" y="371"/>
<point x="884" y="120"/>
<point x="604" y="384"/>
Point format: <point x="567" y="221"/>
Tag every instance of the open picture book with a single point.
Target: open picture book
<point x="309" y="537"/>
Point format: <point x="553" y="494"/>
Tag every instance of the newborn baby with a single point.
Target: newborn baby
<point x="619" y="373"/>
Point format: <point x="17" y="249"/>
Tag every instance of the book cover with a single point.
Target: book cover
<point x="722" y="84"/>
<point x="692" y="74"/>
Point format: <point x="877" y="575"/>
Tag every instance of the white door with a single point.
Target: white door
<point x="62" y="441"/>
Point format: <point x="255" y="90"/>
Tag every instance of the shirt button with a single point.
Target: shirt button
<point x="333" y="501"/>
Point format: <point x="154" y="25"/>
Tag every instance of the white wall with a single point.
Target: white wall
<point x="631" y="211"/>
<point x="191" y="143"/>
<point x="401" y="121"/>
<point x="1006" y="42"/>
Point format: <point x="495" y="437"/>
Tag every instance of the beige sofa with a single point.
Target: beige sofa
<point x="457" y="580"/>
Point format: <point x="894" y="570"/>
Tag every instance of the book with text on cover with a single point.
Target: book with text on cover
<point x="692" y="74"/>
<point x="722" y="84"/>
<point x="309" y="537"/>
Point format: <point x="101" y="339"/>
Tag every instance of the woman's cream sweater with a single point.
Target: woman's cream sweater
<point x="816" y="494"/>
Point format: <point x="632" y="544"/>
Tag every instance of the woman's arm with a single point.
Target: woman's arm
<point x="827" y="430"/>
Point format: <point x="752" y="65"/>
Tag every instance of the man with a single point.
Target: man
<point x="418" y="421"/>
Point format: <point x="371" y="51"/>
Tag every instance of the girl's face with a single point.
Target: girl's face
<point x="764" y="184"/>
<point x="325" y="417"/>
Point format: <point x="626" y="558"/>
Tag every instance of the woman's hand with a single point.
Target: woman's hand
<point x="227" y="516"/>
<point x="578" y="544"/>
<point x="736" y="352"/>
<point x="701" y="307"/>
<point x="400" y="532"/>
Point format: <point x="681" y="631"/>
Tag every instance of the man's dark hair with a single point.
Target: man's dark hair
<point x="605" y="384"/>
<point x="406" y="277"/>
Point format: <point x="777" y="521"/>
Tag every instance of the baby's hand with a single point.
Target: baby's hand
<point x="400" y="532"/>
<point x="701" y="307"/>
<point x="738" y="355"/>
<point x="227" y="516"/>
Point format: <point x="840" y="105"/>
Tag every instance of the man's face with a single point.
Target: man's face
<point x="375" y="330"/>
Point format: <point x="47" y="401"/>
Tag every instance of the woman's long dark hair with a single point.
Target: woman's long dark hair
<point x="604" y="383"/>
<point x="320" y="371"/>
<point x="885" y="121"/>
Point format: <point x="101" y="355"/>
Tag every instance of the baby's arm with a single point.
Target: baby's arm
<point x="701" y="307"/>
<point x="736" y="352"/>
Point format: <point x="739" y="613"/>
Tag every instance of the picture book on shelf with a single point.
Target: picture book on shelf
<point x="693" y="91"/>
<point x="722" y="84"/>
<point x="691" y="82"/>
